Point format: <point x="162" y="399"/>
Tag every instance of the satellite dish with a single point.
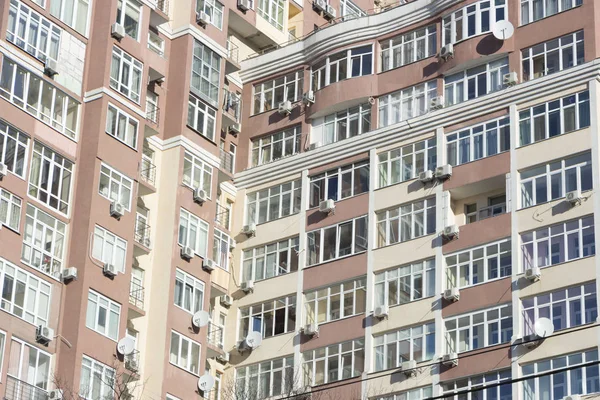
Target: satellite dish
<point x="206" y="383"/>
<point x="200" y="319"/>
<point x="254" y="339"/>
<point x="126" y="346"/>
<point x="503" y="30"/>
<point x="543" y="327"/>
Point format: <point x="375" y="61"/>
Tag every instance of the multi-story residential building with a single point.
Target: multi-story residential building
<point x="291" y="199"/>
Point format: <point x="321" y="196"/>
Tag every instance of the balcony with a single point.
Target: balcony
<point x="232" y="108"/>
<point x="132" y="363"/>
<point x="19" y="390"/>
<point x="226" y="161"/>
<point x="156" y="43"/>
<point x="141" y="234"/>
<point x="160" y="13"/>
<point x="136" y="297"/>
<point x="232" y="61"/>
<point x="215" y="340"/>
<point x="222" y="216"/>
<point x="147" y="176"/>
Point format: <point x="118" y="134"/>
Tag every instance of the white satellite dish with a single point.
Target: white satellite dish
<point x="206" y="383"/>
<point x="543" y="327"/>
<point x="503" y="30"/>
<point x="254" y="339"/>
<point x="201" y="319"/>
<point x="126" y="346"/>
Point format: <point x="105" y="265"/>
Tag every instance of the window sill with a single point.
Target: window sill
<point x="397" y="183"/>
<point x="269" y="278"/>
<point x="434" y="234"/>
<point x="334" y="259"/>
<point x="557" y="201"/>
<point x="419" y="363"/>
<point x="273" y="220"/>
<point x="313" y="208"/>
<point x="482" y="350"/>
<point x="412" y="301"/>
<point x="552" y="137"/>
<point x="183" y="369"/>
<point x="3" y="225"/>
<point x="39" y="270"/>
<point x="479" y="159"/>
<point x="341" y="80"/>
<point x="127" y="208"/>
<point x="202" y="134"/>
<point x="522" y="273"/>
<point x="192" y="189"/>
<point x="101" y="334"/>
<point x="319" y="324"/>
<point x="273" y="109"/>
<point x="483" y="283"/>
<point x="406" y="65"/>
<point x="134" y="148"/>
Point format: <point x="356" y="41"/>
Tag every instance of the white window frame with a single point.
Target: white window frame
<point x="221" y="243"/>
<point x="184" y="361"/>
<point x="18" y="142"/>
<point x="214" y="10"/>
<point x="115" y="179"/>
<point x="348" y="8"/>
<point x="334" y="299"/>
<point x="407" y="103"/>
<point x="276" y="196"/>
<point x="310" y="360"/>
<point x="197" y="173"/>
<point x="418" y="393"/>
<point x="342" y="61"/>
<point x="37" y="255"/>
<point x="131" y="88"/>
<point x="123" y="5"/>
<point x="200" y="112"/>
<point x="34" y="375"/>
<point x="406" y="277"/>
<point x="555" y="47"/>
<point x="272" y="11"/>
<point x="497" y="10"/>
<point x="405" y="213"/>
<point x="408" y="48"/>
<point x="414" y="337"/>
<point x="256" y="314"/>
<point x="203" y="72"/>
<point x="405" y="163"/>
<point x="335" y="127"/>
<point x="492" y="136"/>
<point x="191" y="292"/>
<point x="345" y="175"/>
<point x="527" y="9"/>
<point x="58" y="8"/>
<point x="286" y="141"/>
<point x="191" y="225"/>
<point x="94" y="369"/>
<point x="10" y="210"/>
<point x="122" y="121"/>
<point x="107" y="246"/>
<point x="267" y="95"/>
<point x="112" y="314"/>
<point x="251" y="379"/>
<point x="476" y="386"/>
<point x="316" y="241"/>
<point x="456" y="86"/>
<point x="278" y="257"/>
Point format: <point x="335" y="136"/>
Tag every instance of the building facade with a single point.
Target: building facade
<point x="294" y="199"/>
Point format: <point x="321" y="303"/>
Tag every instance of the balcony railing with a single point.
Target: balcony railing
<point x="226" y="161"/>
<point x="136" y="295"/>
<point x="163" y="5"/>
<point x="215" y="335"/>
<point x="19" y="390"/>
<point x="132" y="361"/>
<point x="142" y="232"/>
<point x="152" y="113"/>
<point x="492" y="211"/>
<point x="233" y="52"/>
<point x="147" y="171"/>
<point x="156" y="43"/>
<point x="222" y="216"/>
<point x="232" y="105"/>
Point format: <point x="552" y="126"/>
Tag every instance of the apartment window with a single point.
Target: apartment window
<point x="276" y="146"/>
<point x="414" y="343"/>
<point x="558" y="243"/>
<point x="270" y="318"/>
<point x="221" y="243"/>
<point x="266" y="379"/>
<point x="2" y="349"/>
<point x="126" y="74"/>
<point x="272" y="11"/>
<point x="50" y="178"/>
<point x="109" y="248"/>
<point x="553" y="56"/>
<point x="335" y="302"/>
<point x="115" y="186"/>
<point x="72" y="12"/>
<point x="213" y="9"/>
<point x="554" y="180"/>
<point x="341" y="125"/>
<point x="406" y="283"/>
<point x="479" y="264"/>
<point x="477" y="387"/>
<point x="413" y="394"/>
<point x="197" y="173"/>
<point x="23" y="294"/>
<point x="10" y="210"/>
<point x="473" y="20"/>
<point x="557" y="385"/>
<point x="406" y="162"/>
<point x="408" y="48"/>
<point x="340" y="183"/>
<point x="406" y="103"/>
<point x="346" y="64"/>
<point x="232" y="153"/>
<point x="534" y="10"/>
<point x="479" y="141"/>
<point x="554" y="118"/>
<point x="43" y="241"/>
<point x="349" y="9"/>
<point x="30" y="366"/>
<point x="185" y="353"/>
<point x="189" y="292"/>
<point x="201" y="117"/>
<point x="39" y="98"/>
<point x="122" y="126"/>
<point x="334" y="363"/>
<point x="103" y="315"/>
<point x="270" y="260"/>
<point x="32" y="32"/>
<point x="193" y="232"/>
<point x="206" y="70"/>
<point x="475" y="82"/>
<point x="13" y="149"/>
<point x="269" y="94"/>
<point x="341" y="240"/>
<point x="97" y="380"/>
<point x="479" y="329"/>
<point x="274" y="202"/>
<point x="406" y="222"/>
<point x="128" y="15"/>
<point x="566" y="308"/>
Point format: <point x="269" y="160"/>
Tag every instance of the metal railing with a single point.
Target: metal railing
<point x="222" y="216"/>
<point x="136" y="295"/>
<point x="492" y="211"/>
<point x="232" y="105"/>
<point x="215" y="335"/>
<point x="156" y="43"/>
<point x="19" y="390"/>
<point x="142" y="233"/>
<point x="132" y="361"/>
<point x="163" y="5"/>
<point x="147" y="171"/>
<point x="226" y="161"/>
<point x="233" y="52"/>
<point x="152" y="113"/>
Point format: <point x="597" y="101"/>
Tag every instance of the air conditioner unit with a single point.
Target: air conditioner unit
<point x="116" y="209"/>
<point x="510" y="79"/>
<point x="320" y="4"/>
<point x="451" y="232"/>
<point x="572" y="397"/>
<point x="314" y="146"/>
<point x="224" y="358"/>
<point x="208" y="265"/>
<point x="3" y="170"/>
<point x="202" y="18"/>
<point x="285" y="107"/>
<point x="436" y="103"/>
<point x="452" y="294"/>
<point x="200" y="195"/>
<point x="409" y="368"/>
<point x="447" y="52"/>
<point x="131" y="364"/>
<point x="50" y="67"/>
<point x="69" y="273"/>
<point x="327" y="206"/>
<point x="55" y="394"/>
<point x="232" y="244"/>
<point x="43" y="334"/>
<point x="249" y="230"/>
<point x="247" y="286"/>
<point x="308" y="97"/>
<point x="330" y="11"/>
<point x="533" y="274"/>
<point x="381" y="312"/>
<point x="443" y="171"/>
<point x="235" y="129"/>
<point x="426" y="176"/>
<point x="242" y="346"/>
<point x="226" y="300"/>
<point x="450" y="360"/>
<point x="109" y="270"/>
<point x="244" y="5"/>
<point x="117" y="31"/>
<point x="530" y="341"/>
<point x="574" y="197"/>
<point x="187" y="253"/>
<point x="311" y="329"/>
